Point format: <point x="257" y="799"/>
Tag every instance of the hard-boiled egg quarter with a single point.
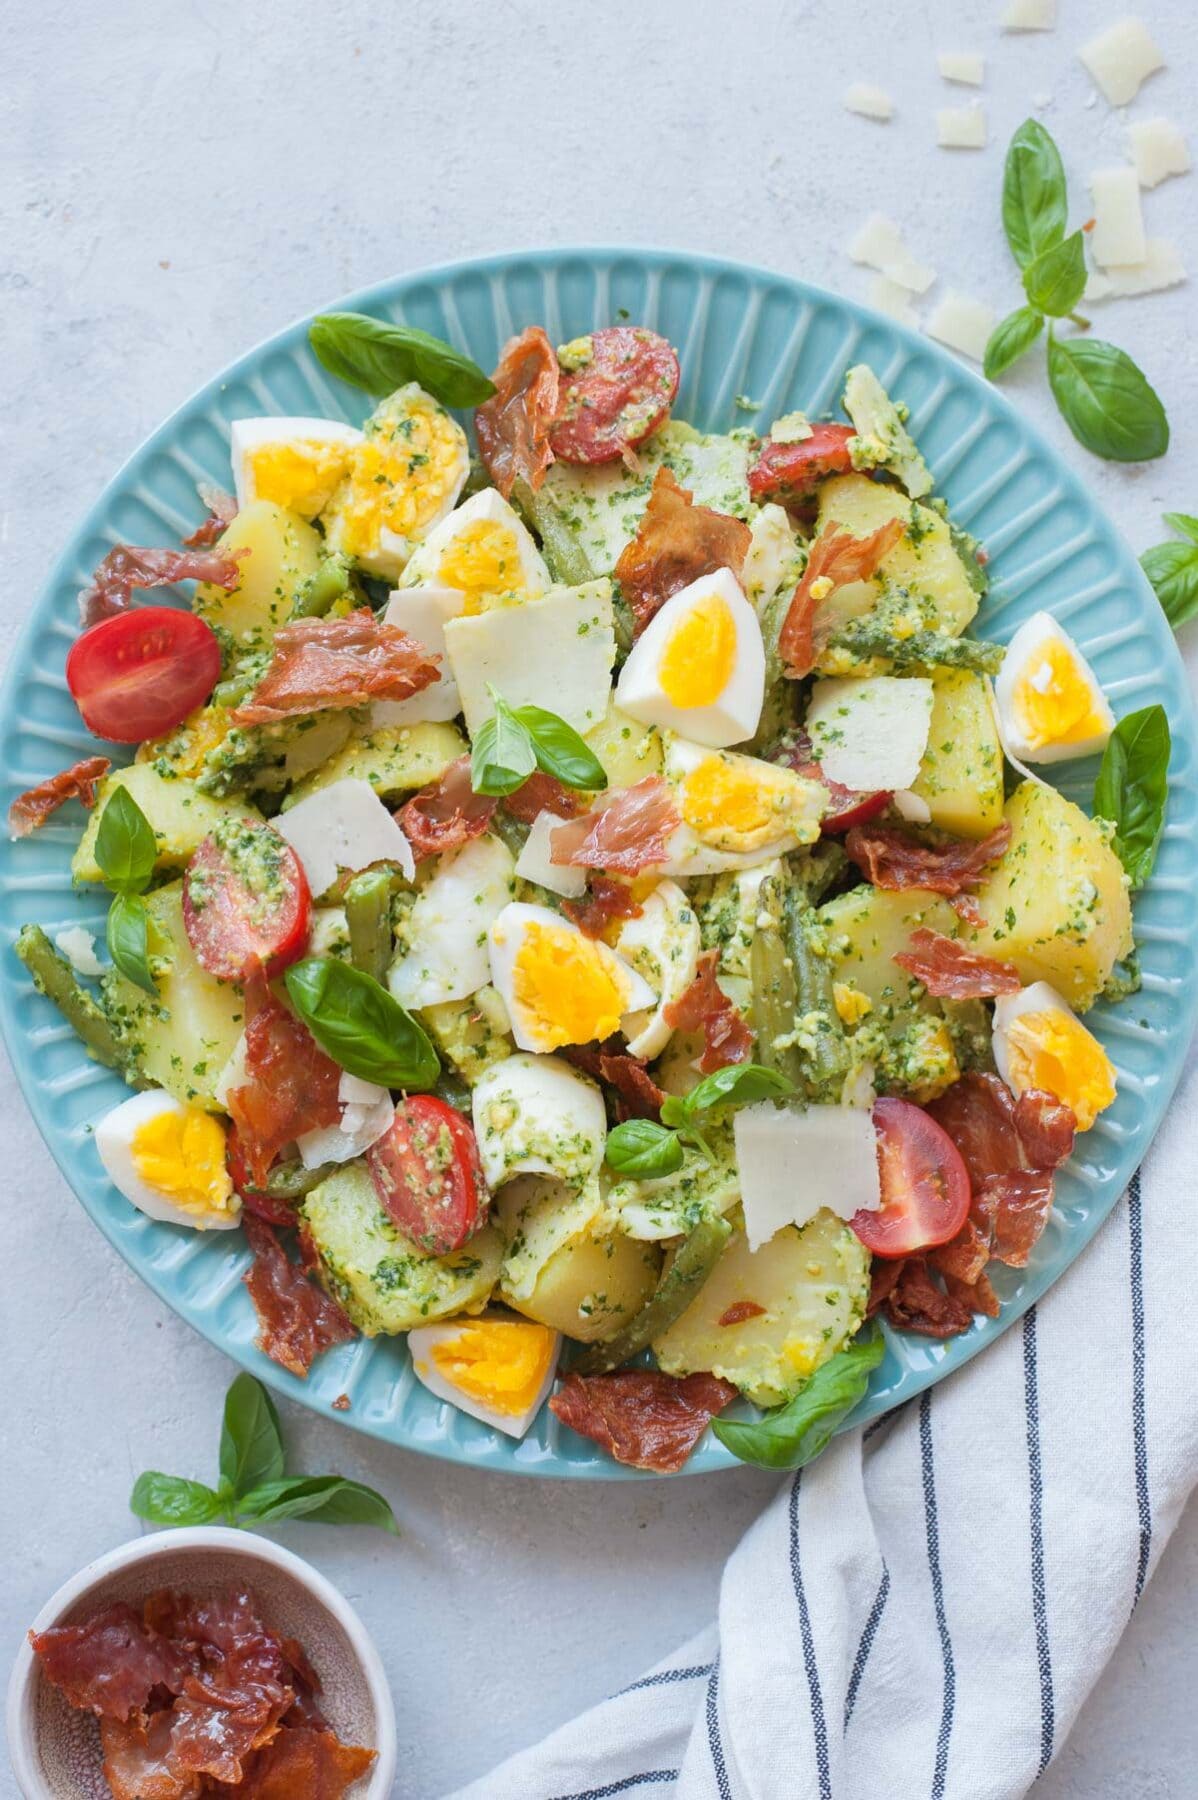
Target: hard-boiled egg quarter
<point x="1050" y="706"/>
<point x="663" y="944"/>
<point x="498" y="1370"/>
<point x="168" y="1160"/>
<point x="483" y="548"/>
<point x="403" y="478"/>
<point x="1039" y="1042"/>
<point x="699" y="665"/>
<point x="296" y="463"/>
<point x="560" y="986"/>
<point x="536" y="1115"/>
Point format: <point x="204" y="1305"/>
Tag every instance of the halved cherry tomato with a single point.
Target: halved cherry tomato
<point x="846" y="806"/>
<point x="621" y="395"/>
<point x="266" y="1206"/>
<point x="246" y="901"/>
<point x="925" y="1184"/>
<point x="140" y="673"/>
<point x="790" y="472"/>
<point x="428" y="1175"/>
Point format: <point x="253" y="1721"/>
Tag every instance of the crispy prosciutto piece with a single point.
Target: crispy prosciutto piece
<point x="740" y="1312"/>
<point x="914" y="1301"/>
<point x="836" y="558"/>
<point x="640" y="1416"/>
<point x="446" y="814"/>
<point x="322" y="663"/>
<point x="950" y="971"/>
<point x="893" y="859"/>
<point x="130" y="566"/>
<point x="627" y="831"/>
<point x="676" y="542"/>
<point x="291" y="1086"/>
<point x="791" y="472"/>
<point x="846" y="806"/>
<point x="513" y="426"/>
<point x="617" y="398"/>
<point x="301" y="1763"/>
<point x="112" y="1664"/>
<point x="706" y="1007"/>
<point x="639" y="1095"/>
<point x="30" y="810"/>
<point x="605" y="901"/>
<point x="138" y="1764"/>
<point x="298" y="1319"/>
<point x="233" y="1704"/>
<point x="543" y="793"/>
<point x="222" y="510"/>
<point x="998" y="1134"/>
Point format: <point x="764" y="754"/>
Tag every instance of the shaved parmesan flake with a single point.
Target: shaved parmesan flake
<point x="1029" y="15"/>
<point x="963" y="324"/>
<point x="533" y="863"/>
<point x="961" y="127"/>
<point x="1162" y="267"/>
<point x="870" y="732"/>
<point x="916" y="277"/>
<point x="912" y="807"/>
<point x="1121" y="59"/>
<point x="962" y="66"/>
<point x="871" y="102"/>
<point x="878" y="242"/>
<point x="891" y="298"/>
<point x="235" y="1074"/>
<point x="367" y="1112"/>
<point x="1158" y="150"/>
<point x="343" y="826"/>
<point x="1118" y="234"/>
<point x="793" y="1163"/>
<point x="79" y="948"/>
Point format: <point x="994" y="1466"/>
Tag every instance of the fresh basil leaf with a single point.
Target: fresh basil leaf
<point x="1106" y="401"/>
<point x="560" y="751"/>
<point x="170" y="1500"/>
<point x="1010" y="339"/>
<point x="128" y="935"/>
<point x="1132" y="789"/>
<point x="502" y="756"/>
<point x="1184" y="524"/>
<point x="1034" y="204"/>
<point x="794" y="1434"/>
<point x="360" y="1025"/>
<point x="125" y="847"/>
<point x="643" y="1149"/>
<point x="251" y="1447"/>
<point x="1173" y="571"/>
<point x="737" y="1085"/>
<point x="376" y="356"/>
<point x="1056" y="281"/>
<point x="324" y="1499"/>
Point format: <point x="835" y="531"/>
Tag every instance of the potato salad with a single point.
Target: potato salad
<point x="583" y="900"/>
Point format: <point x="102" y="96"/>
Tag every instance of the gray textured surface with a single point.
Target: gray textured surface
<point x="181" y="179"/>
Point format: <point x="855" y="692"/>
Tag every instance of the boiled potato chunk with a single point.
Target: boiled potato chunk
<point x="1056" y="903"/>
<point x="395" y="759"/>
<point x="813" y="1284"/>
<point x="180" y="816"/>
<point x="593" y="1286"/>
<point x="471" y="1034"/>
<point x="283" y="551"/>
<point x="960" y="778"/>
<point x="628" y="750"/>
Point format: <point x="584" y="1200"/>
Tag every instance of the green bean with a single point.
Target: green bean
<point x="565" y="556"/>
<point x="326" y="584"/>
<point x="512" y="832"/>
<point x="453" y="1090"/>
<point x="291" y="1180"/>
<point x="922" y="650"/>
<point x="368" y="915"/>
<point x="774" y="995"/>
<point x="694" y="1261"/>
<point x="778" y="706"/>
<point x="827" y="1058"/>
<point x="816" y="870"/>
<point x="53" y="976"/>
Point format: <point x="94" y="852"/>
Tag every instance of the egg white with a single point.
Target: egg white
<point x="506" y="937"/>
<point x="421" y="1344"/>
<point x="1040" y="997"/>
<point x="383" y="472"/>
<point x="312" y="439"/>
<point x="733" y="714"/>
<point x="423" y="613"/>
<point x="528" y="576"/>
<point x="115" y="1139"/>
<point x="1024" y="662"/>
<point x="443" y="939"/>
<point x="663" y="945"/>
<point x="688" y="853"/>
<point x="538" y="1115"/>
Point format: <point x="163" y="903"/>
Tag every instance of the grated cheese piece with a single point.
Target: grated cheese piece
<point x="871" y="731"/>
<point x="1162" y="267"/>
<point x="962" y="66"/>
<point x="1121" y="59"/>
<point x="343" y="826"/>
<point x="79" y="948"/>
<point x="1158" y="150"/>
<point x="534" y="864"/>
<point x="961" y="127"/>
<point x="869" y="101"/>
<point x="834" y="1147"/>
<point x="893" y="299"/>
<point x="963" y="324"/>
<point x="916" y="277"/>
<point x="1029" y="15"/>
<point x="1118" y="234"/>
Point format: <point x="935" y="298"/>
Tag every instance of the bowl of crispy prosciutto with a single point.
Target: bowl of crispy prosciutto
<point x="200" y="1662"/>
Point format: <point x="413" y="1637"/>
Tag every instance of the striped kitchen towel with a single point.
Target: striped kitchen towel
<point x="922" y="1611"/>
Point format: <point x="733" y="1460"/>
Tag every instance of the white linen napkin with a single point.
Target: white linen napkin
<point x="923" y="1610"/>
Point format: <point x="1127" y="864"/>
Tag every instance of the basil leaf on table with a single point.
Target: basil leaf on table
<point x="1011" y="338"/>
<point x="1106" y="401"/>
<point x="360" y="1025"/>
<point x="379" y="357"/>
<point x="170" y="1500"/>
<point x="126" y="849"/>
<point x="1056" y="280"/>
<point x="1132" y="789"/>
<point x="502" y="756"/>
<point x="251" y="1446"/>
<point x="323" y="1499"/>
<point x="643" y="1149"/>
<point x="128" y="934"/>
<point x="560" y="751"/>
<point x="792" y="1435"/>
<point x="1173" y="569"/>
<point x="1034" y="203"/>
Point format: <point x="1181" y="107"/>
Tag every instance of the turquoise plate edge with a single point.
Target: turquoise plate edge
<point x="753" y="344"/>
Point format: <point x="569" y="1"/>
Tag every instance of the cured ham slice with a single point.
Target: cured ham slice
<point x="543" y="793"/>
<point x="605" y="901"/>
<point x="30" y="810"/>
<point x="291" y="1086"/>
<point x="640" y="1096"/>
<point x="627" y="832"/>
<point x="513" y="426"/>
<point x="893" y="859"/>
<point x="298" y="1319"/>
<point x="130" y="566"/>
<point x="950" y="971"/>
<point x="706" y="1007"/>
<point x="446" y="814"/>
<point x="836" y="558"/>
<point x="676" y="543"/>
<point x="640" y="1416"/>
<point x="322" y="663"/>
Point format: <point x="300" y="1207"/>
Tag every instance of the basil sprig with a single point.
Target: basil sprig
<point x="790" y="1436"/>
<point x="360" y="1025"/>
<point x="254" y="1488"/>
<point x="1104" y="398"/>
<point x="1172" y="569"/>
<point x="376" y="356"/>
<point x="642" y="1149"/>
<point x="1132" y="789"/>
<point x="517" y="740"/>
<point x="126" y="852"/>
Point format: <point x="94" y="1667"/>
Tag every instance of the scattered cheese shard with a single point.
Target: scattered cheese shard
<point x="343" y="826"/>
<point x="891" y="298"/>
<point x="963" y="324"/>
<point x="1161" y="268"/>
<point x="422" y="612"/>
<point x="870" y="732"/>
<point x="916" y="277"/>
<point x="962" y="66"/>
<point x="877" y="242"/>
<point x="871" y="102"/>
<point x="1121" y="59"/>
<point x="1118" y="234"/>
<point x="1158" y="150"/>
<point x="533" y="862"/>
<point x="79" y="948"/>
<point x="560" y="647"/>
<point x="793" y="1163"/>
<point x="961" y="127"/>
<point x="1029" y="15"/>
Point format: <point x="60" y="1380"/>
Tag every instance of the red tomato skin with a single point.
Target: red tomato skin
<point x="925" y="1184"/>
<point x="867" y="806"/>
<point x="264" y="1206"/>
<point x="139" y="674"/>
<point x="225" y="941"/>
<point x="434" y="1193"/>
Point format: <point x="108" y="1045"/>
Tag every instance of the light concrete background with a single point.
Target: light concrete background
<point x="177" y="181"/>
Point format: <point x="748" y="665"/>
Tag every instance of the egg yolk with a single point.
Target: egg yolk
<point x="700" y="654"/>
<point x="399" y="477"/>
<point x="497" y="1362"/>
<point x="569" y="989"/>
<point x="741" y="805"/>
<point x="302" y="476"/>
<point x="1055" y="1052"/>
<point x="187" y="746"/>
<point x="1054" y="702"/>
<point x="182" y="1157"/>
<point x="482" y="558"/>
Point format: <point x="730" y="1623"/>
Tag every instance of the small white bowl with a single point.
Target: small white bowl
<point x="55" y="1748"/>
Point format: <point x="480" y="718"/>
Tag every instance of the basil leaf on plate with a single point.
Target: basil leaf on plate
<point x="170" y="1500"/>
<point x="1056" y="280"/>
<point x="1106" y="401"/>
<point x="792" y="1435"/>
<point x="643" y="1149"/>
<point x="379" y="357"/>
<point x="737" y="1085"/>
<point x="1010" y="339"/>
<point x="251" y="1447"/>
<point x="128" y="934"/>
<point x="1173" y="569"/>
<point x="1132" y="789"/>
<point x="126" y="850"/>
<point x="1034" y="204"/>
<point x="360" y="1025"/>
<point x="324" y="1499"/>
<point x="502" y="756"/>
<point x="560" y="751"/>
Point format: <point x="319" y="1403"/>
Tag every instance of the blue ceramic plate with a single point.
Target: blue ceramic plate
<point x="740" y="331"/>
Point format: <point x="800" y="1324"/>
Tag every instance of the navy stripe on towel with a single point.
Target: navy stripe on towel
<point x="1138" y="1425"/>
<point x="1031" y="1397"/>
<point x="719" y="1767"/>
<point x="819" y="1724"/>
<point x="940" y="1771"/>
<point x="867" y="1643"/>
<point x="665" y="1676"/>
<point x="650" y="1778"/>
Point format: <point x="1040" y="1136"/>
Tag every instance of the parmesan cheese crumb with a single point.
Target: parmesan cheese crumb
<point x="871" y="102"/>
<point x="963" y="324"/>
<point x="1121" y="59"/>
<point x="1158" y="150"/>
<point x="1029" y="15"/>
<point x="79" y="948"/>
<point x="893" y="299"/>
<point x="961" y="66"/>
<point x="961" y="127"/>
<point x="1161" y="268"/>
<point x="1118" y="234"/>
